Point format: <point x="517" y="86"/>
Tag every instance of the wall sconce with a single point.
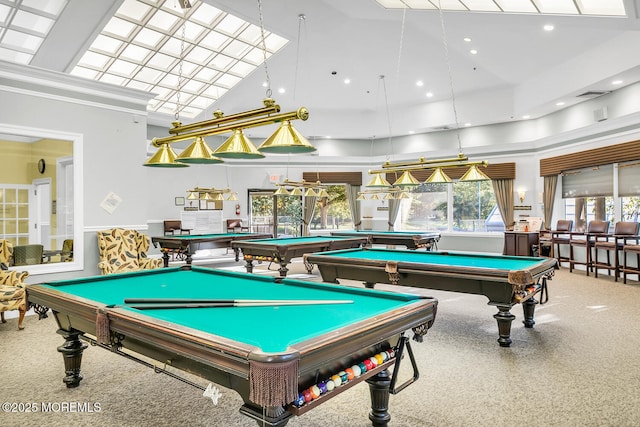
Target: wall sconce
<point x="521" y="194"/>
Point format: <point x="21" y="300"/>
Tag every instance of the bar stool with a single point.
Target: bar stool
<point x="561" y="236"/>
<point x="614" y="243"/>
<point x="626" y="268"/>
<point x="595" y="230"/>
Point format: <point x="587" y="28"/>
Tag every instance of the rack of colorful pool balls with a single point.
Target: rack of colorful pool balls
<point x="343" y="378"/>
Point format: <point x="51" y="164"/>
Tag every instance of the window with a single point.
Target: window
<point x="268" y="209"/>
<point x="14" y="213"/>
<point x="458" y="206"/>
<point x="584" y="209"/>
<point x="333" y="212"/>
<point x="598" y="189"/>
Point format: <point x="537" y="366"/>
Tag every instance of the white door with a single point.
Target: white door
<point x="42" y="226"/>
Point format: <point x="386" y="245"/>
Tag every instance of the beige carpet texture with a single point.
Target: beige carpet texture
<point x="579" y="366"/>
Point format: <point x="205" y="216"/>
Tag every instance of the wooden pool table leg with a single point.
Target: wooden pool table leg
<point x="165" y="257"/>
<point x="270" y="416"/>
<point x="72" y="354"/>
<point x="504" y="319"/>
<point x="248" y="264"/>
<point x="379" y="390"/>
<point x="529" y="307"/>
<point x="283" y="269"/>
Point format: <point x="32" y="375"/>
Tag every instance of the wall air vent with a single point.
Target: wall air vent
<point x="593" y="94"/>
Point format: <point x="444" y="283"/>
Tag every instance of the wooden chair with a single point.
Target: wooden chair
<point x="615" y="242"/>
<point x="235" y="226"/>
<point x="596" y="230"/>
<point x="13" y="295"/>
<point x="173" y="225"/>
<point x="28" y="254"/>
<point x="554" y="238"/>
<point x="630" y="249"/>
<point x="124" y="250"/>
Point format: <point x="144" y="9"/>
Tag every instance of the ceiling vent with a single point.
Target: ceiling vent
<point x="593" y="94"/>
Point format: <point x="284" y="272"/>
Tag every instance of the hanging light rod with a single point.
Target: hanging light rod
<point x="422" y="161"/>
<point x="200" y="193"/>
<point x="312" y="188"/>
<point x="428" y="165"/>
<point x="302" y="114"/>
<point x="270" y="107"/>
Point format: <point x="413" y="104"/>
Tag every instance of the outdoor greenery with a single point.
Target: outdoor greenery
<point x="335" y="207"/>
<point x="473" y="203"/>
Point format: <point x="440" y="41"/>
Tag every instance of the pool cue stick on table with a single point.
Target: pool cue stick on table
<point x="162" y="303"/>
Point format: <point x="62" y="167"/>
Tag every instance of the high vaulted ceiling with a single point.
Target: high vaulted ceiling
<point x="408" y="70"/>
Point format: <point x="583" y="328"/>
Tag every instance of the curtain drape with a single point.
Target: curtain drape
<point x="394" y="208"/>
<point x="549" y="196"/>
<point x="503" y="189"/>
<point x="354" y="206"/>
<point x="309" y="207"/>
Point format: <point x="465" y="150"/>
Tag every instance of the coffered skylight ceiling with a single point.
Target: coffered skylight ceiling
<point x="564" y="7"/>
<point x="142" y="45"/>
<point x="24" y="24"/>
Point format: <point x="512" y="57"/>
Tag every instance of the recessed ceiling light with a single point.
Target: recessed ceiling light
<point x="281" y="90"/>
<point x="467" y="39"/>
<point x="473" y="52"/>
<point x="265" y="84"/>
<point x="526" y="116"/>
<point x="411" y="132"/>
<point x="560" y="104"/>
<point x="548" y="27"/>
<point x="429" y="94"/>
<point x="467" y="125"/>
<point x="347" y="81"/>
<point x="616" y="82"/>
<point x="420" y="83"/>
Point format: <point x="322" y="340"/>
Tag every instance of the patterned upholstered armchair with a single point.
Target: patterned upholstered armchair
<point x="124" y="250"/>
<point x="13" y="295"/>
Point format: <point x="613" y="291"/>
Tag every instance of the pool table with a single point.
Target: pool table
<point x="188" y="244"/>
<point x="504" y="280"/>
<point x="283" y="250"/>
<point x="268" y="354"/>
<point x="409" y="239"/>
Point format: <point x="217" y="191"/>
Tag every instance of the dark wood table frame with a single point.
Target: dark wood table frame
<point x="504" y="289"/>
<point x="187" y="245"/>
<point x="282" y="252"/>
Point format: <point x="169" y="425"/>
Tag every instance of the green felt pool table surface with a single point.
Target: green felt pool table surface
<point x="251" y="325"/>
<point x="452" y="259"/>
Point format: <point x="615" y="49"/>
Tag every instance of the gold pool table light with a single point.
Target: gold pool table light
<point x="379" y="186"/>
<point x="285" y="140"/>
<point x="301" y="188"/>
<point x="211" y="194"/>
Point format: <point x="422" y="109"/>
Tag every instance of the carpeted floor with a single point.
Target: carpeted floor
<point x="579" y="366"/>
